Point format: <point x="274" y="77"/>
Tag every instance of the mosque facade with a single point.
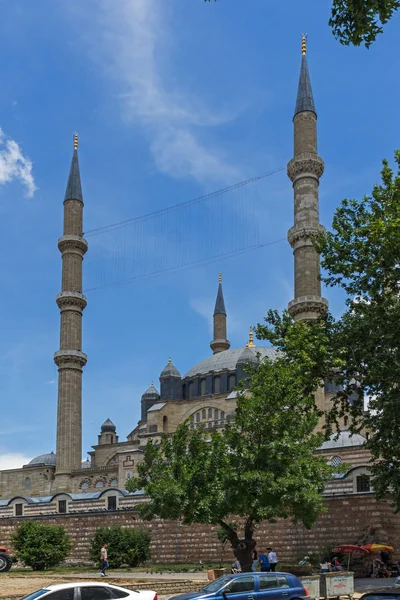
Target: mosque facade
<point x="205" y="395"/>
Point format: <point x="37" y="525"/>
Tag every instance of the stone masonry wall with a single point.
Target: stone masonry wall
<point x="346" y="521"/>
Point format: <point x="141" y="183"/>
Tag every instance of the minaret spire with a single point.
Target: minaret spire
<point x="305" y="170"/>
<point x="220" y="342"/>
<point x="70" y="359"/>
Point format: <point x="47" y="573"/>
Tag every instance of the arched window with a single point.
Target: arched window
<point x="336" y="461"/>
<point x="128" y="475"/>
<point x="231" y="382"/>
<point x="184" y="391"/>
<point x="198" y="417"/>
<point x="165" y="423"/>
<point x="222" y="416"/>
<point x="216" y="414"/>
<point x="210" y="413"/>
<point x="114" y="482"/>
<point x="216" y="385"/>
<point x="203" y="390"/>
<point x="203" y="414"/>
<point x="84" y="485"/>
<point x="346" y="421"/>
<point x="27" y="484"/>
<point x="191" y="389"/>
<point x="99" y="484"/>
<point x="367" y="435"/>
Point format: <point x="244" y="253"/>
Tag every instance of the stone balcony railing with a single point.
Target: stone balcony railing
<point x="94" y="470"/>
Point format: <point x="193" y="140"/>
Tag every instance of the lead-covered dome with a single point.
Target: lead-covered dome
<point x="44" y="459"/>
<point x="170" y="370"/>
<point x="229" y="359"/>
<point x="108" y="426"/>
<point x="344" y="439"/>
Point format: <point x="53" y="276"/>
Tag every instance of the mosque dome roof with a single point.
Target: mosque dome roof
<point x="170" y="370"/>
<point x="229" y="359"/>
<point x="108" y="425"/>
<point x="345" y="439"/>
<point x="151" y="392"/>
<point x="44" y="459"/>
<point x="86" y="464"/>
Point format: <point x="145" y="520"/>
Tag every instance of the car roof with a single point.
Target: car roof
<point x="64" y="586"/>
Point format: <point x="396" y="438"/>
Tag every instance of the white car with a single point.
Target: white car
<point x="89" y="590"/>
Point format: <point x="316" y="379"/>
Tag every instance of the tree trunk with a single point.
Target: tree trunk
<point x="242" y="549"/>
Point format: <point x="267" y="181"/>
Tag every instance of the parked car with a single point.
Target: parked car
<point x="250" y="586"/>
<point x="89" y="590"/>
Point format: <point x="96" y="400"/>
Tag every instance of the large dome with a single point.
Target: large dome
<point x="227" y="360"/>
<point x="44" y="459"/>
<point x="344" y="439"/>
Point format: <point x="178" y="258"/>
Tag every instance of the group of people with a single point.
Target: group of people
<point x="267" y="561"/>
<point x="329" y="566"/>
<point x="385" y="565"/>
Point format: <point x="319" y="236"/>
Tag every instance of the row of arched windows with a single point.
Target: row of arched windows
<point x="210" y="417"/>
<point x="189" y="390"/>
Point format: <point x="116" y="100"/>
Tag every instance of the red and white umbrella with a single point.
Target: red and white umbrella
<point x="350" y="550"/>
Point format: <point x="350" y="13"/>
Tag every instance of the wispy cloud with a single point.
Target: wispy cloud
<point x="14" y="165"/>
<point x="132" y="43"/>
<point x="13" y="460"/>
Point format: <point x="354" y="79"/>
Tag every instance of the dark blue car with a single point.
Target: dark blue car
<point x="250" y="586"/>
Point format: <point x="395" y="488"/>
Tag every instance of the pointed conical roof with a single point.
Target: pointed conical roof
<point x="108" y="425"/>
<point x="305" y="100"/>
<point x="151" y="392"/>
<point x="74" y="188"/>
<point x="220" y="303"/>
<point x="170" y="370"/>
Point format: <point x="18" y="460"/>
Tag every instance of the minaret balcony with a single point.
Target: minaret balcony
<point x="71" y="301"/>
<point x="72" y="243"/>
<point x="70" y="359"/>
<point x="300" y="235"/>
<point x="305" y="165"/>
<point x="307" y="307"/>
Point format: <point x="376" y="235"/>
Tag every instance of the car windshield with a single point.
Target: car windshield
<point x="217" y="584"/>
<point x="36" y="594"/>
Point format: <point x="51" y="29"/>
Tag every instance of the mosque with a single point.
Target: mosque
<point x="61" y="482"/>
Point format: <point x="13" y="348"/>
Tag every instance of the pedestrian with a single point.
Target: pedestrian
<point x="103" y="560"/>
<point x="264" y="563"/>
<point x="272" y="559"/>
<point x="254" y="561"/>
<point x="236" y="567"/>
<point x="335" y="564"/>
<point x="325" y="565"/>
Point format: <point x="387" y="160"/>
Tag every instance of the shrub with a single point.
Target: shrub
<point x="126" y="546"/>
<point x="41" y="546"/>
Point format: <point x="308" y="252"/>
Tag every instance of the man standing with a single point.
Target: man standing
<point x="272" y="559"/>
<point x="103" y="560"/>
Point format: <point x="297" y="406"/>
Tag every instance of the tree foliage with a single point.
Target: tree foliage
<point x="127" y="546"/>
<point x="41" y="546"/>
<point x="356" y="22"/>
<point x="362" y="255"/>
<point x="262" y="466"/>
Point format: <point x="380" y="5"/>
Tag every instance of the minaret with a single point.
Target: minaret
<point x="70" y="359"/>
<point x="220" y="343"/>
<point x="305" y="170"/>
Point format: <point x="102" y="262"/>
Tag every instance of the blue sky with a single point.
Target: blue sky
<point x="172" y="99"/>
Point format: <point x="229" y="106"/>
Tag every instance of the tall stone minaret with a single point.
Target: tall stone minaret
<point x="220" y="342"/>
<point x="70" y="359"/>
<point x="305" y="170"/>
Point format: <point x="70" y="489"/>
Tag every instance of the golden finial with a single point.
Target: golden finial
<point x="220" y="277"/>
<point x="251" y="344"/>
<point x="170" y="360"/>
<point x="75" y="141"/>
<point x="304" y="44"/>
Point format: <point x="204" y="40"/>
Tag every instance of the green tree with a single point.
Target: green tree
<point x="41" y="546"/>
<point x="126" y="545"/>
<point x="262" y="466"/>
<point x="356" y="22"/>
<point x="362" y="256"/>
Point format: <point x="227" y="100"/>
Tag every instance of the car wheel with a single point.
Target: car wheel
<point x="5" y="563"/>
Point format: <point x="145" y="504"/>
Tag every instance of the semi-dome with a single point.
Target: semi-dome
<point x="108" y="425"/>
<point x="44" y="459"/>
<point x="344" y="439"/>
<point x="170" y="370"/>
<point x="151" y="392"/>
<point x="228" y="360"/>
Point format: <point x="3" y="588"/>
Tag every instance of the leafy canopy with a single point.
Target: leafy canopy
<point x="356" y="22"/>
<point x="262" y="466"/>
<point x="362" y="255"/>
<point x="41" y="546"/>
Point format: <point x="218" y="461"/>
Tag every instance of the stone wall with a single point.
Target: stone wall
<point x="347" y="520"/>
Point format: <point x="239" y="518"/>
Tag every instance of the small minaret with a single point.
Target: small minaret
<point x="220" y="342"/>
<point x="70" y="359"/>
<point x="305" y="170"/>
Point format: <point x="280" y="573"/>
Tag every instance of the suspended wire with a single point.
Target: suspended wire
<point x="198" y="231"/>
<point x="92" y="232"/>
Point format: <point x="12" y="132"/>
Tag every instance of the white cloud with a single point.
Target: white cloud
<point x="14" y="165"/>
<point x="13" y="460"/>
<point x="132" y="43"/>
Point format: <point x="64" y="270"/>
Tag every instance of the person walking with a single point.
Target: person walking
<point x="264" y="563"/>
<point x="272" y="559"/>
<point x="254" y="562"/>
<point x="103" y="560"/>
